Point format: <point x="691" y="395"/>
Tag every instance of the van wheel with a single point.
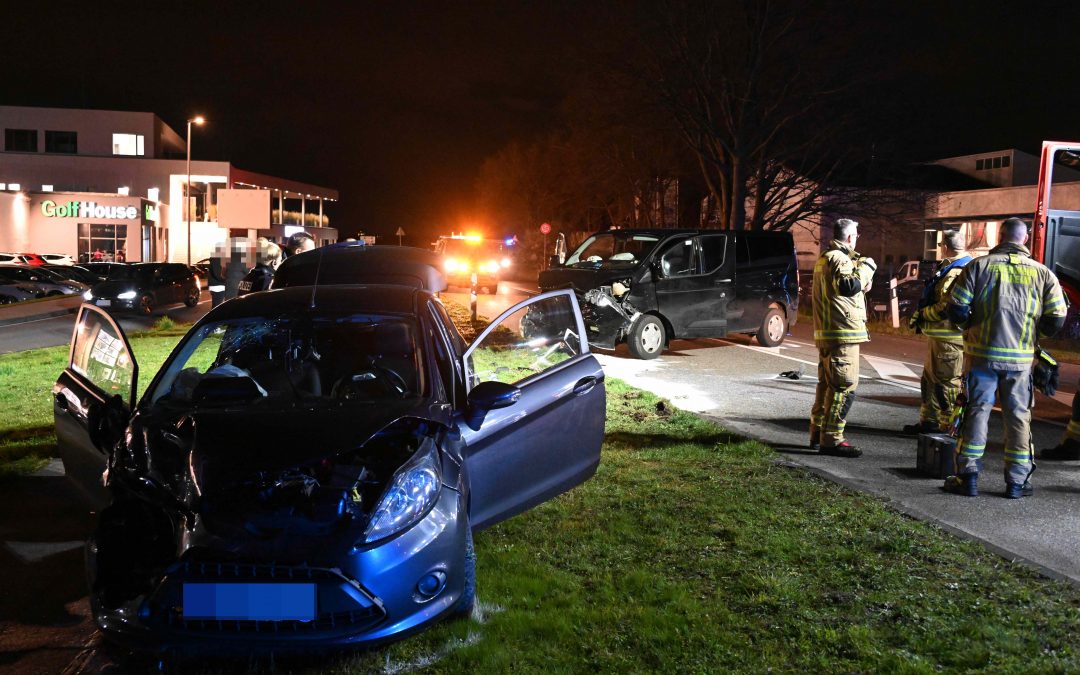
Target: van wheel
<point x="773" y="328"/>
<point x="647" y="337"/>
<point x="192" y="298"/>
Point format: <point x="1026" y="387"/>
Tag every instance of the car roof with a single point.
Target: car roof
<point x="357" y="263"/>
<point x="359" y="299"/>
<point x="661" y="234"/>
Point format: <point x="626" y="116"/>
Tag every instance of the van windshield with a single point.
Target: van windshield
<point x="612" y="250"/>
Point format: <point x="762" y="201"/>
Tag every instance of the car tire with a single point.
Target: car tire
<point x="647" y="337"/>
<point x="468" y="593"/>
<point x="146" y="305"/>
<point x="773" y="328"/>
<point x="192" y="297"/>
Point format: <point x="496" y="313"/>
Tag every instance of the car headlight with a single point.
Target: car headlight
<point x="88" y="295"/>
<point x="411" y="493"/>
<point x="126" y="295"/>
<point x="505" y="262"/>
<point x="451" y="265"/>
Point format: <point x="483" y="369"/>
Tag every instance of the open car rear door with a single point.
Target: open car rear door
<point x="549" y="440"/>
<point x="93" y="399"/>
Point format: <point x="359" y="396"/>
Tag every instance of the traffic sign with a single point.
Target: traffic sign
<point x="400" y="232"/>
<point x="545" y="228"/>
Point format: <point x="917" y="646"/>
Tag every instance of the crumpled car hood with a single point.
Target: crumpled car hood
<point x="582" y="280"/>
<point x="231" y="445"/>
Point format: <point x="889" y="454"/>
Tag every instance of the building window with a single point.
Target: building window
<point x="64" y="142"/>
<point x="978" y="165"/>
<point x="102" y="242"/>
<point x="997" y="162"/>
<point x="1005" y="162"/>
<point x="128" y="144"/>
<point x="20" y="140"/>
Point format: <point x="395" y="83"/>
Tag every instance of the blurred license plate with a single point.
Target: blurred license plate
<point x="104" y="303"/>
<point x="880" y="308"/>
<point x="250" y="602"/>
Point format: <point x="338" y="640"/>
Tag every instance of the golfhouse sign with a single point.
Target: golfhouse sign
<point x="76" y="209"/>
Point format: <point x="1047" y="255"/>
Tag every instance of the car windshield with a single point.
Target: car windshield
<point x="257" y="360"/>
<point x="612" y="249"/>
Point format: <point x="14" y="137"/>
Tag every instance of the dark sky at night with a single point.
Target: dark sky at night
<point x="397" y="104"/>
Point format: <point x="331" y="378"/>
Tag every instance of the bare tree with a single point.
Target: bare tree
<point x="756" y="100"/>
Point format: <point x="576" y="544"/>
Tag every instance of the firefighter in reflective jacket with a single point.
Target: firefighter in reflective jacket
<point x="841" y="277"/>
<point x="1002" y="300"/>
<point x="944" y="366"/>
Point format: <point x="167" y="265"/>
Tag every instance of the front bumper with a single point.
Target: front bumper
<point x="367" y="596"/>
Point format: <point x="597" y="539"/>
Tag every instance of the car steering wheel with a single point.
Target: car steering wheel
<point x="350" y="387"/>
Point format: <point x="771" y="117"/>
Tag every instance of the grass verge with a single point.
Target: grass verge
<point x="694" y="550"/>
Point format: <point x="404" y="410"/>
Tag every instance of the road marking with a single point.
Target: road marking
<point x="890" y="369"/>
<point x="35" y="551"/>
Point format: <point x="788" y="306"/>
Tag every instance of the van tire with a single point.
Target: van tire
<point x="647" y="337"/>
<point x="773" y="328"/>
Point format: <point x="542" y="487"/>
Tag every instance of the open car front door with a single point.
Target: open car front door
<point x="549" y="440"/>
<point x="93" y="399"/>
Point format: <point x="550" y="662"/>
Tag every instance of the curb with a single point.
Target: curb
<point x="18" y="315"/>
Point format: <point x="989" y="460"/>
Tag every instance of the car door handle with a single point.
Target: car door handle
<point x="717" y="282"/>
<point x="584" y="385"/>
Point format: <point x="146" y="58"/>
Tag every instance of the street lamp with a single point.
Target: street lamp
<point x="199" y="120"/>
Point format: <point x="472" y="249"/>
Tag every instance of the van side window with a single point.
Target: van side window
<point x="680" y="259"/>
<point x="713" y="249"/>
<point x="764" y="248"/>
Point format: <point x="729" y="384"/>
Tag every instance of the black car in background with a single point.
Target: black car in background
<point x="102" y="269"/>
<point x="141" y="287"/>
<point x="647" y="287"/>
<point x="75" y="273"/>
<point x="50" y="282"/>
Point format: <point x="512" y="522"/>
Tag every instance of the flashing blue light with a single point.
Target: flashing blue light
<point x="510" y="241"/>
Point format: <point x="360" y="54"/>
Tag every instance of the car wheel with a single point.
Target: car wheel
<point x="192" y="298"/>
<point x="468" y="594"/>
<point x="647" y="337"/>
<point x="7" y="300"/>
<point x="146" y="305"/>
<point x="773" y="328"/>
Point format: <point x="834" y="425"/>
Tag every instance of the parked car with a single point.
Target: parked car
<point x="358" y="263"/>
<point x="74" y="273"/>
<point x="142" y="287"/>
<point x="647" y="287"/>
<point x="11" y="293"/>
<point x="50" y="282"/>
<point x="31" y="259"/>
<point x="308" y="466"/>
<point x="57" y="259"/>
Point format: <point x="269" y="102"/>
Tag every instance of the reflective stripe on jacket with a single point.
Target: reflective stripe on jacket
<point x="839" y="318"/>
<point x="936" y="325"/>
<point x="1008" y="293"/>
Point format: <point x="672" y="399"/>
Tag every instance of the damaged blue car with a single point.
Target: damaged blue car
<point x="307" y="468"/>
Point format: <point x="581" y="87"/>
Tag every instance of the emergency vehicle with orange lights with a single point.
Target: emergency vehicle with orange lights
<point x="465" y="255"/>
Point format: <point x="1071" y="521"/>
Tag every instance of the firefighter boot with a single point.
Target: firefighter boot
<point x="815" y="438"/>
<point x="844" y="449"/>
<point x="1067" y="450"/>
<point x="1018" y="490"/>
<point x="966" y="484"/>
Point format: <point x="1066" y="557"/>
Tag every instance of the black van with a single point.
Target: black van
<point x="647" y="287"/>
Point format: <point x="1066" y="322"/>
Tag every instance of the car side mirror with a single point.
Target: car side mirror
<point x="488" y="396"/>
<point x="657" y="271"/>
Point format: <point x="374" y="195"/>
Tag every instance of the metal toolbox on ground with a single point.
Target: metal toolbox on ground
<point x="936" y="455"/>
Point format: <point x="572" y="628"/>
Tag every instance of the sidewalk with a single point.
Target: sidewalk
<point x="24" y="312"/>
